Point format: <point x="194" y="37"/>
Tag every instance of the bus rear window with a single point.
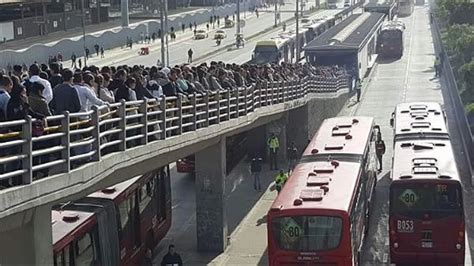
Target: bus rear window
<point x="307" y="233"/>
<point x="438" y="200"/>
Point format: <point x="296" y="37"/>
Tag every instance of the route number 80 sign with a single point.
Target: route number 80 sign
<point x="408" y="197"/>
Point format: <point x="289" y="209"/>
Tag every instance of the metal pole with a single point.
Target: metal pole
<point x="276" y="12"/>
<point x="162" y="35"/>
<point x="297" y="32"/>
<point x="124" y="7"/>
<point x="238" y="17"/>
<point x="166" y="32"/>
<point x="83" y="32"/>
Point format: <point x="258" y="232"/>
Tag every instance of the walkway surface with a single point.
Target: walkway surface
<point x="390" y="83"/>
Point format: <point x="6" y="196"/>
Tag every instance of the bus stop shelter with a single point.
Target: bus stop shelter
<point x="351" y="43"/>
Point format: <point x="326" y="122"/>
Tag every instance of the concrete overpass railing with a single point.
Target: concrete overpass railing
<point x="31" y="155"/>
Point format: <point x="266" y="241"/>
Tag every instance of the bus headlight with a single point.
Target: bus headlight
<point x="458" y="246"/>
<point x="395" y="245"/>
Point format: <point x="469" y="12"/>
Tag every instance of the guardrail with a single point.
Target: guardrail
<point x="73" y="139"/>
<point x="454" y="97"/>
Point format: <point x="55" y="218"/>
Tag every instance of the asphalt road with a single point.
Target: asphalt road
<point x="406" y="80"/>
<point x="178" y="49"/>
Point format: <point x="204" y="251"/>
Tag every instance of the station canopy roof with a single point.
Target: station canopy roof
<point x="349" y="34"/>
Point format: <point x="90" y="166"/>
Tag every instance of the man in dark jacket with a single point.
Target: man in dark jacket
<point x="255" y="169"/>
<point x="56" y="77"/>
<point x="119" y="80"/>
<point x="292" y="154"/>
<point x="65" y="97"/>
<point x="171" y="258"/>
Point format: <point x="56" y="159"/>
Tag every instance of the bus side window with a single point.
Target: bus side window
<point x="85" y="250"/>
<point x="124" y="209"/>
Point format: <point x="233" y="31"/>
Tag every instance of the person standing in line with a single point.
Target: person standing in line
<point x="171" y="258"/>
<point x="292" y="154"/>
<point x="280" y="180"/>
<point x="273" y="144"/>
<point x="256" y="169"/>
<point x="190" y="55"/>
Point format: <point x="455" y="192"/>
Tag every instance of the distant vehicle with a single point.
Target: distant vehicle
<point x="186" y="165"/>
<point x="220" y="34"/>
<point x="305" y="19"/>
<point x="390" y="41"/>
<point x="229" y="23"/>
<point x="405" y="7"/>
<point x="116" y="225"/>
<point x="201" y="34"/>
<point x="332" y="4"/>
<point x="347" y="4"/>
<point x="321" y="215"/>
<point x="426" y="213"/>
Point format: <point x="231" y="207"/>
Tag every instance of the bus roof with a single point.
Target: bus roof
<point x="64" y="223"/>
<point x="322" y="182"/>
<point x="301" y="190"/>
<point x="114" y="191"/>
<point x="341" y="135"/>
<point x="412" y="120"/>
<point x="424" y="160"/>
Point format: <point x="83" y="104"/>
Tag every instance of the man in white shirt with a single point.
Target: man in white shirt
<point x="34" y="77"/>
<point x="86" y="96"/>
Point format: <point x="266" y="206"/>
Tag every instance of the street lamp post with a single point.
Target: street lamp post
<point x="238" y="19"/>
<point x="83" y="32"/>
<point x="297" y="32"/>
<point x="166" y="32"/>
<point x="162" y="35"/>
<point x="276" y="13"/>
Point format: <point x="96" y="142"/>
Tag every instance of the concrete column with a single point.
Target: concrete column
<point x="26" y="238"/>
<point x="278" y="127"/>
<point x="297" y="130"/>
<point x="211" y="222"/>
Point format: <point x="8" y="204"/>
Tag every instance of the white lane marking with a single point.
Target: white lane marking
<point x="405" y="82"/>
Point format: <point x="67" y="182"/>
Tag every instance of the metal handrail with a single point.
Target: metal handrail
<point x="78" y="138"/>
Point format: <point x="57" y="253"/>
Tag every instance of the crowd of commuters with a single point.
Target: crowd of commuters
<point x="42" y="90"/>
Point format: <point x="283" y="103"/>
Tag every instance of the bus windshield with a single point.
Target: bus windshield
<point x="307" y="233"/>
<point x="416" y="200"/>
<point x="390" y="36"/>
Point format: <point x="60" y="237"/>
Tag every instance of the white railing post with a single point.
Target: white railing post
<point x="237" y="102"/>
<point x="245" y="100"/>
<point x="179" y="103"/>
<point x="66" y="143"/>
<point x="163" y="116"/>
<point x="218" y="97"/>
<point x="206" y="101"/>
<point x="27" y="150"/>
<point x="95" y="120"/>
<point x="122" y="111"/>
<point x="227" y="95"/>
<point x="195" y="116"/>
<point x="143" y="109"/>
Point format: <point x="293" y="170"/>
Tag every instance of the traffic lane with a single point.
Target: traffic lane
<point x="178" y="51"/>
<point x="405" y="80"/>
<point x="385" y="90"/>
<point x="244" y="54"/>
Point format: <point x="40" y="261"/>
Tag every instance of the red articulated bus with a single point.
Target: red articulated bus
<point x="116" y="225"/>
<point x="322" y="214"/>
<point x="426" y="214"/>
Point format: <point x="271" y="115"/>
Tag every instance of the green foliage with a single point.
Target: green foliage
<point x="458" y="38"/>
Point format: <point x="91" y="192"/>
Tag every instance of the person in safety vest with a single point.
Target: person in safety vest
<point x="280" y="180"/>
<point x="379" y="150"/>
<point x="273" y="144"/>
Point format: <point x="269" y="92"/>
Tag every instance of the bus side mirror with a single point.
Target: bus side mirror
<point x="391" y="122"/>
